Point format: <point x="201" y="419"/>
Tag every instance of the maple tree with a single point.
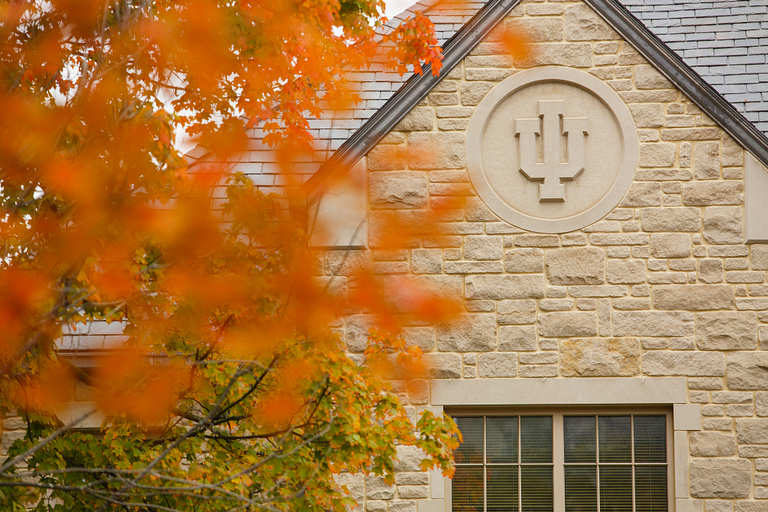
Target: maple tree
<point x="229" y="391"/>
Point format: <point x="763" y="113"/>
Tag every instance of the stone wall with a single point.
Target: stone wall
<point x="662" y="286"/>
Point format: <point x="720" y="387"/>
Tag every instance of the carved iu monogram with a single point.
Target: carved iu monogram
<point x="549" y="126"/>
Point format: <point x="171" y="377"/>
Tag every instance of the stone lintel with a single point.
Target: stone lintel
<point x="573" y="391"/>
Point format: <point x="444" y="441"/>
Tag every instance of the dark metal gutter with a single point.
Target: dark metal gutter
<point x="411" y="93"/>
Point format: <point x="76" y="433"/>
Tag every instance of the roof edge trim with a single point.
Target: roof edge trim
<point x="683" y="76"/>
<point x="411" y="93"/>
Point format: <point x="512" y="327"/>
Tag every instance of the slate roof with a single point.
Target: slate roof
<point x="725" y="42"/>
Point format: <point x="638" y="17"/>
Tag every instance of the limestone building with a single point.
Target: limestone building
<point x="602" y="206"/>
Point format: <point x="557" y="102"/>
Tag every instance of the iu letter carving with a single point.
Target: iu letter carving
<point x="549" y="126"/>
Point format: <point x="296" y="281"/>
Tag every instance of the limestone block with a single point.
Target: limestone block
<point x="443" y="366"/>
<point x="468" y="333"/>
<point x="761" y="403"/>
<point x="759" y="259"/>
<point x="752" y="431"/>
<point x="692" y="134"/>
<point x="539" y="358"/>
<point x="688" y="364"/>
<point x="403" y="506"/>
<point x="504" y="287"/>
<point x="693" y="297"/>
<point x="375" y="506"/>
<point x="733" y="155"/>
<point x="582" y="23"/>
<point x="476" y="211"/>
<point x="14" y="423"/>
<point x="647" y="115"/>
<point x="422" y="337"/>
<point x="576" y="265"/>
<point x="408" y="459"/>
<point x="642" y="194"/>
<point x="497" y="364"/>
<point x="444" y="98"/>
<point x="711" y="444"/>
<point x="657" y="154"/>
<point x="556" y="304"/>
<point x="721" y="478"/>
<point x="378" y="489"/>
<point x="8" y="438"/>
<point x="386" y="157"/>
<point x="567" y="324"/>
<point x="723" y="225"/>
<point x="685" y="154"/>
<point x="527" y="260"/>
<point x="708" y="193"/>
<point x="600" y="357"/>
<point x="436" y="150"/>
<point x="473" y="92"/>
<point x="413" y="491"/>
<point x="454" y="112"/>
<point x="357" y="331"/>
<point x="512" y="312"/>
<point x="418" y="119"/>
<point x="577" y="55"/>
<point x="646" y="77"/>
<point x="427" y="261"/>
<point x="517" y="338"/>
<point x="671" y="219"/>
<point x="670" y="245"/>
<point x="706" y="160"/>
<point x="399" y="189"/>
<point x="748" y="370"/>
<point x="625" y="271"/>
<point x="748" y="451"/>
<point x="711" y="271"/>
<point x="483" y="247"/>
<point x="418" y="391"/>
<point x="355" y="484"/>
<point x="538" y="30"/>
<point x="652" y="323"/>
<point x="406" y="478"/>
<point x="726" y="331"/>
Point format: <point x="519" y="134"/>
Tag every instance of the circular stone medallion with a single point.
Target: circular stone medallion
<point x="552" y="149"/>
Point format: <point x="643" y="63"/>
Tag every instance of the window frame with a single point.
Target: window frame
<point x="558" y="446"/>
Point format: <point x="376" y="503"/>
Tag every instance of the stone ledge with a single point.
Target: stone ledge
<point x="586" y="391"/>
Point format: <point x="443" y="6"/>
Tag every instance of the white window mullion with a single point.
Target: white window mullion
<point x="558" y="458"/>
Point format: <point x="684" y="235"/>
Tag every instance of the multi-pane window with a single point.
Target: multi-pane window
<point x="572" y="462"/>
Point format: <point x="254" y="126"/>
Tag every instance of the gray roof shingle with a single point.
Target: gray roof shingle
<point x="725" y="42"/>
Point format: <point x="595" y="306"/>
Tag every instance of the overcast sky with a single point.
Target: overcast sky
<point x="395" y="7"/>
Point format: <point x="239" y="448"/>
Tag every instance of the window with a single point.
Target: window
<point x="574" y="461"/>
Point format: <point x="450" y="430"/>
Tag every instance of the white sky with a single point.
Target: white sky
<point x="395" y="7"/>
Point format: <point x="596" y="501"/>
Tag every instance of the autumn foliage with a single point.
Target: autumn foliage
<point x="229" y="388"/>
